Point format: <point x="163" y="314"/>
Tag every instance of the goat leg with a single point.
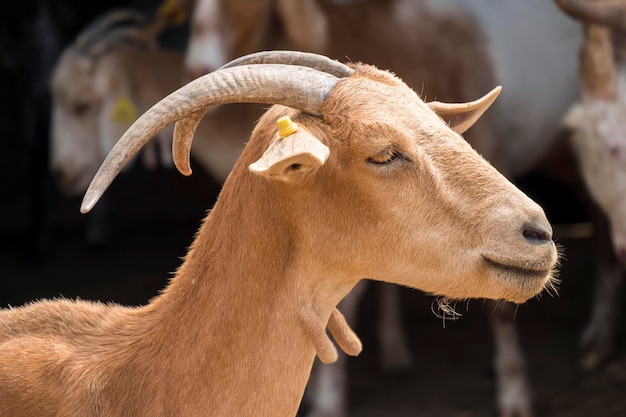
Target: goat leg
<point x="514" y="395"/>
<point x="598" y="340"/>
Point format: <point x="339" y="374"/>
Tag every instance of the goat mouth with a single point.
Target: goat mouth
<point x="517" y="271"/>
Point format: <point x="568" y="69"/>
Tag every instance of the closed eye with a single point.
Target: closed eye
<point x="386" y="157"/>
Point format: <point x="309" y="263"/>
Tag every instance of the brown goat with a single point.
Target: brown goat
<point x="373" y="183"/>
<point x="442" y="54"/>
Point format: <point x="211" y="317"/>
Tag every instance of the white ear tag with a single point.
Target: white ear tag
<point x="294" y="150"/>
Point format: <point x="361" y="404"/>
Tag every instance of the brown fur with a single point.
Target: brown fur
<point x="440" y="54"/>
<point x="226" y="337"/>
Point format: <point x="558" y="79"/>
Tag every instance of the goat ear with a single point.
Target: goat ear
<point x="288" y="158"/>
<point x="461" y="116"/>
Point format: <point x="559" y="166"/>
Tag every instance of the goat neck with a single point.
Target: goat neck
<point x="236" y="326"/>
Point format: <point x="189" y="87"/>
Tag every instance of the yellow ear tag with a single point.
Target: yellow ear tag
<point x="124" y="111"/>
<point x="286" y="127"/>
<point x="172" y="11"/>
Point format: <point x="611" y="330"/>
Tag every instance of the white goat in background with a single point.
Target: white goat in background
<point x="598" y="121"/>
<point x="101" y="83"/>
<point x="303" y="217"/>
<point x="110" y="75"/>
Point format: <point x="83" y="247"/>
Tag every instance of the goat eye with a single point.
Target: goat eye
<point x="385" y="158"/>
<point x="80" y="109"/>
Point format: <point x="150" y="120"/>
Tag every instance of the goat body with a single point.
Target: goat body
<point x="226" y="336"/>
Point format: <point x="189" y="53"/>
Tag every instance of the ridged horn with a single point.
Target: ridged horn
<point x="299" y="87"/>
<point x="305" y="59"/>
<point x="184" y="129"/>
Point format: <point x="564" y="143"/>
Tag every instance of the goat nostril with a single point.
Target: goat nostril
<point x="536" y="233"/>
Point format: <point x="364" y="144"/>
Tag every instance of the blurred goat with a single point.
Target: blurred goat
<point x="101" y="83"/>
<point x="598" y="121"/>
<point x="111" y="74"/>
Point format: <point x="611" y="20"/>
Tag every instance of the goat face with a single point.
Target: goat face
<point x="222" y="30"/>
<point x="93" y="104"/>
<point x="373" y="185"/>
<point x="599" y="140"/>
<point x="403" y="198"/>
<point x="75" y="154"/>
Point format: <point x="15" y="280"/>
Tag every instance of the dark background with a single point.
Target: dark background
<point x="43" y="252"/>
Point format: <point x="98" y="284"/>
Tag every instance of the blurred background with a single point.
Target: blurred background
<point x="48" y="249"/>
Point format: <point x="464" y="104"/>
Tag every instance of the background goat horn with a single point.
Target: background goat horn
<point x="290" y="85"/>
<point x="305" y="59"/>
<point x="184" y="129"/>
<point x="95" y="31"/>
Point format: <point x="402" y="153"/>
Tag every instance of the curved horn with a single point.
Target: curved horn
<point x="185" y="128"/>
<point x="94" y="31"/>
<point x="611" y="13"/>
<point x="268" y="84"/>
<point x="183" y="136"/>
<point x="305" y="59"/>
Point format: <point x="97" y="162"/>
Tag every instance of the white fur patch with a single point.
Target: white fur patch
<point x="206" y="49"/>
